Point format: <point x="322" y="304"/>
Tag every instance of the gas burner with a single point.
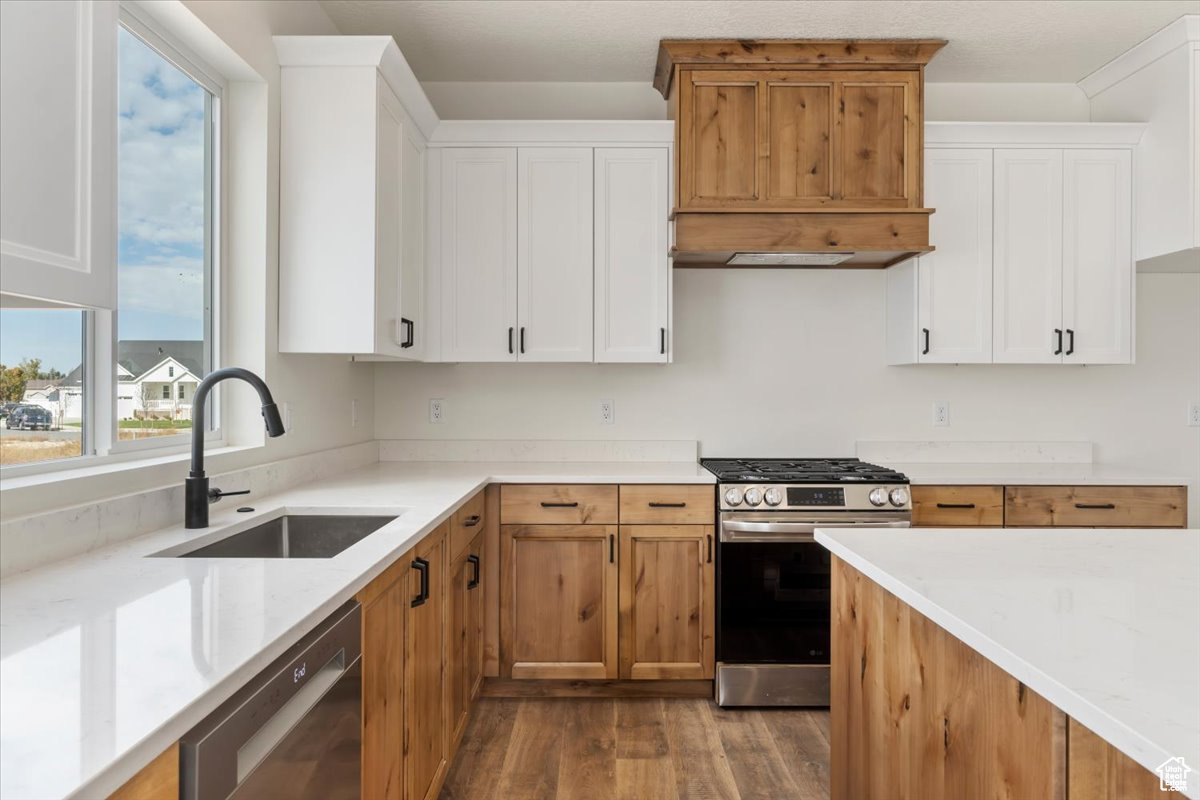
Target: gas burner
<point x="805" y="470"/>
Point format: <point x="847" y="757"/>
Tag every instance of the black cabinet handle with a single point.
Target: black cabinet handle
<point x="612" y="548"/>
<point x="471" y="521"/>
<point x="510" y="333"/>
<point x="1070" y="341"/>
<point x="709" y="537"/>
<point x="559" y="505"/>
<point x="1058" y="347"/>
<point x="667" y="505"/>
<point x="662" y="341"/>
<point x="522" y="338"/>
<point x="955" y="505"/>
<point x="925" y="349"/>
<point x="422" y="566"/>
<point x="1096" y="506"/>
<point x="409" y="336"/>
<point x="473" y="560"/>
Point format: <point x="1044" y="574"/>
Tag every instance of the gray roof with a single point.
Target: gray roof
<point x="40" y="384"/>
<point x="139" y="355"/>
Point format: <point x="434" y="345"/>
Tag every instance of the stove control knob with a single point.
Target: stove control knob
<point x="773" y="496"/>
<point x="754" y="496"/>
<point x="878" y="496"/>
<point x="733" y="496"/>
<point x="899" y="496"/>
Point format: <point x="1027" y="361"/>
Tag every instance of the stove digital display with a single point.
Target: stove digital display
<point x="826" y="496"/>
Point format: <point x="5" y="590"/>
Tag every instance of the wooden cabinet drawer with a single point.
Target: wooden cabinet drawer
<point x="1095" y="506"/>
<point x="562" y="504"/>
<point x="958" y="506"/>
<point x="466" y="523"/>
<point x="648" y="504"/>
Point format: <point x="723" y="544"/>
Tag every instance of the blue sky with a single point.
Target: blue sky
<point x="160" y="218"/>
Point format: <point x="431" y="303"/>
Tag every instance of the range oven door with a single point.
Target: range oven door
<point x="773" y="605"/>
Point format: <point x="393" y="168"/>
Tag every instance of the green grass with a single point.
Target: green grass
<point x="142" y="423"/>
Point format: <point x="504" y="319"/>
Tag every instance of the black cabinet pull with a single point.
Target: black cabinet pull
<point x="473" y="560"/>
<point x="955" y="505"/>
<point x="471" y="521"/>
<point x="662" y="341"/>
<point x="522" y="338"/>
<point x="546" y="504"/>
<point x="1058" y="339"/>
<point x="709" y="537"/>
<point x="1070" y="341"/>
<point x="1096" y="506"/>
<point x="925" y="349"/>
<point x="612" y="548"/>
<point x="409" y="337"/>
<point x="654" y="504"/>
<point x="510" y="333"/>
<point x="422" y="566"/>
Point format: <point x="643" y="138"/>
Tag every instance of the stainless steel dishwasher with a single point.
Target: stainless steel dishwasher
<point x="294" y="731"/>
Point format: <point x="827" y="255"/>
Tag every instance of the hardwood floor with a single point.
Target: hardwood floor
<point x="639" y="749"/>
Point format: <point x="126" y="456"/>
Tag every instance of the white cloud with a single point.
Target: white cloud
<point x="171" y="286"/>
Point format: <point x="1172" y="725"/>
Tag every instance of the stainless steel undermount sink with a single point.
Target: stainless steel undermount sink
<point x="293" y="536"/>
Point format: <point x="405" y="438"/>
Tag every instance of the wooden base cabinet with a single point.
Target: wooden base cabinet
<point x="666" y="601"/>
<point x="464" y="661"/>
<point x="426" y="743"/>
<point x="558" y="601"/>
<point x="384" y="603"/>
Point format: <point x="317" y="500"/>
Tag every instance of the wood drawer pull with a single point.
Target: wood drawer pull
<point x="654" y="504"/>
<point x="1096" y="506"/>
<point x="955" y="505"/>
<point x="471" y="521"/>
<point x="559" y="505"/>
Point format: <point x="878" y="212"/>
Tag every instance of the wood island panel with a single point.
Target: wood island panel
<point x="158" y="780"/>
<point x="917" y="713"/>
<point x="1098" y="771"/>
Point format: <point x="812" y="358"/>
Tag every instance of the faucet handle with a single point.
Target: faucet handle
<point x="215" y="494"/>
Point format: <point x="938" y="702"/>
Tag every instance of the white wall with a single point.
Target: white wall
<point x="318" y="388"/>
<point x="791" y="363"/>
<point x="984" y="102"/>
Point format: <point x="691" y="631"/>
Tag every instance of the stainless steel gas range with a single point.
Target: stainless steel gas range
<point x="773" y="609"/>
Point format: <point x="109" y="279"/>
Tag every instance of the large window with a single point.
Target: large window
<point x="78" y="383"/>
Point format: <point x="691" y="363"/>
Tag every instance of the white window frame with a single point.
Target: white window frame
<point x="100" y="443"/>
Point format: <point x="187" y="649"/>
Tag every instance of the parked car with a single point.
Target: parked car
<point x="6" y="409"/>
<point x="27" y="417"/>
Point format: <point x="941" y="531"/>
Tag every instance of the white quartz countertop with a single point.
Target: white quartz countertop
<point x="109" y="657"/>
<point x="1034" y="474"/>
<point x="1105" y="624"/>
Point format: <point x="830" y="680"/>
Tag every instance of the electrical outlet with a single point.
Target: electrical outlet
<point x="436" y="412"/>
<point x="1194" y="415"/>
<point x="941" y="414"/>
<point x="354" y="413"/>
<point x="607" y="412"/>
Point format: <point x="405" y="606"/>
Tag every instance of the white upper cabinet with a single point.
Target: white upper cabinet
<point x="554" y="254"/>
<point x="1034" y="256"/>
<point x="1097" y="257"/>
<point x="632" y="266"/>
<point x="954" y="282"/>
<point x="478" y="247"/>
<point x="1028" y="256"/>
<point x="58" y="122"/>
<point x="351" y="199"/>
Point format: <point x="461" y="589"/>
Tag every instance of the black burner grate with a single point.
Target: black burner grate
<point x="800" y="470"/>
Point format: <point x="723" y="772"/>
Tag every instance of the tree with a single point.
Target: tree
<point x="12" y="384"/>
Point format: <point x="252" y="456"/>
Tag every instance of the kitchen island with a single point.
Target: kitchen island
<point x="1014" y="663"/>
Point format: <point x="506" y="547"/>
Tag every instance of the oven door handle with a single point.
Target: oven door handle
<point x="738" y="531"/>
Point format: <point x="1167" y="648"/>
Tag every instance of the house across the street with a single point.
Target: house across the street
<point x="154" y="377"/>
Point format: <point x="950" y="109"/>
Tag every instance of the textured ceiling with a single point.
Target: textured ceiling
<point x="616" y="40"/>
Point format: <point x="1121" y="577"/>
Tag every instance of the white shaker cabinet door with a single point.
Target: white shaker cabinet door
<point x="478" y="207"/>
<point x="1097" y="257"/>
<point x="954" y="282"/>
<point x="554" y="254"/>
<point x="1027" y="256"/>
<point x="633" y="269"/>
<point x="58" y="123"/>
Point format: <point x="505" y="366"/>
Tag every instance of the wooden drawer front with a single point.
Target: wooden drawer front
<point x="466" y="523"/>
<point x="958" y="506"/>
<point x="1096" y="506"/>
<point x="564" y="504"/>
<point x="648" y="504"/>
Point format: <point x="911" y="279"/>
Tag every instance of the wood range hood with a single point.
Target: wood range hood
<point x="797" y="152"/>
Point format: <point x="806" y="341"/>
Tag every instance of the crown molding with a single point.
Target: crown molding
<point x="1182" y="31"/>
